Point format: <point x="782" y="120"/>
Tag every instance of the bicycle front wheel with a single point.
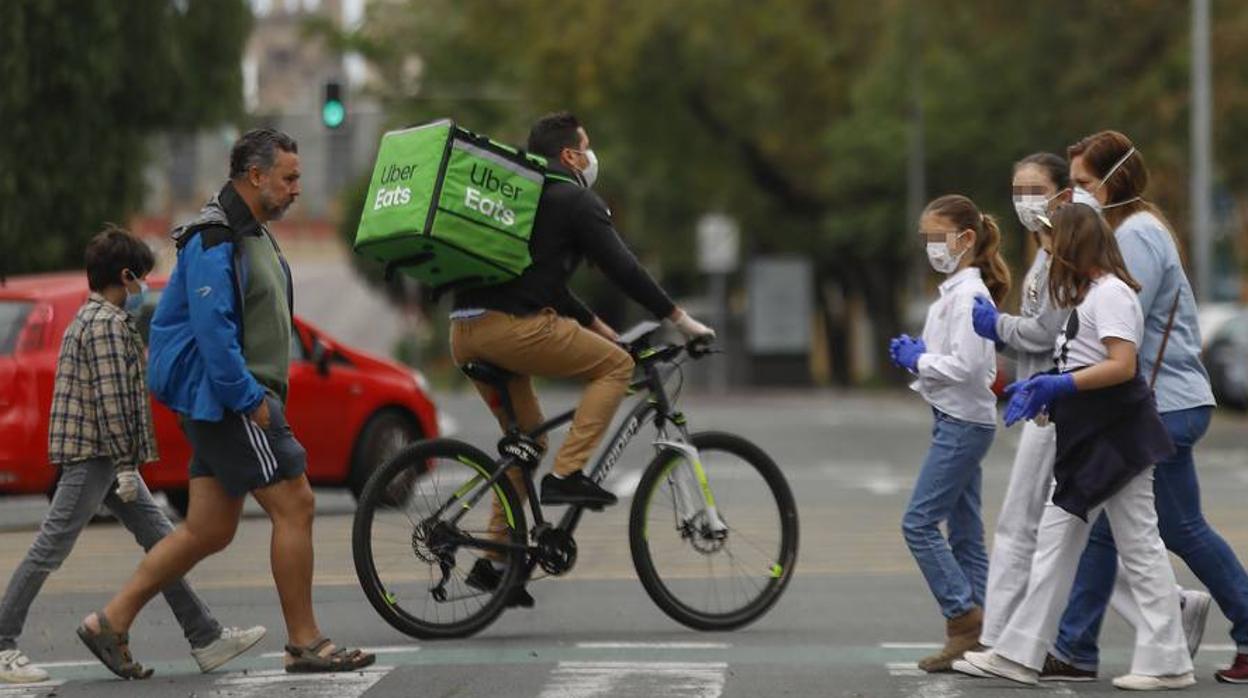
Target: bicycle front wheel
<point x="418" y="535"/>
<point x="714" y="569"/>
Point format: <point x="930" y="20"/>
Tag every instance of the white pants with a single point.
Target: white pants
<point x="1160" y="646"/>
<point x="1014" y="542"/>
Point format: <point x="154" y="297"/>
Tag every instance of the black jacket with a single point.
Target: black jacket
<point x="572" y="224"/>
<point x="1104" y="439"/>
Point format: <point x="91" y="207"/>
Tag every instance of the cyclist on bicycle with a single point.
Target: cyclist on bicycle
<point x="534" y="326"/>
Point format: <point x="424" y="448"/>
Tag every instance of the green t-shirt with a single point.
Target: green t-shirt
<point x="266" y="315"/>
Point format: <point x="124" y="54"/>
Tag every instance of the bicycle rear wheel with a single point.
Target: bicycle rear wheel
<point x="413" y="562"/>
<point x="704" y="576"/>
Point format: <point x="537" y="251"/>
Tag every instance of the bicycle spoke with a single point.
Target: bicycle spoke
<point x="410" y="541"/>
<point x="714" y="576"/>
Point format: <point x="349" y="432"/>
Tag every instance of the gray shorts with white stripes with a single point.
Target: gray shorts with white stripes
<point x="241" y="455"/>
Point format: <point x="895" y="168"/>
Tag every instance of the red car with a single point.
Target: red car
<point x="351" y="410"/>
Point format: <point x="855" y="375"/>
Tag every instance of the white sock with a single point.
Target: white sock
<point x="559" y="477"/>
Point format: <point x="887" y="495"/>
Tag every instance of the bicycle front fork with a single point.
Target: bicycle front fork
<point x="692" y="489"/>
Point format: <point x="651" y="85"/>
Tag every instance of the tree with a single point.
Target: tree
<point x="794" y="116"/>
<point x="86" y="84"/>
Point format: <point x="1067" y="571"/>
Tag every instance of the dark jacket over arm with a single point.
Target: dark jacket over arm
<point x="1104" y="439"/>
<point x="572" y="224"/>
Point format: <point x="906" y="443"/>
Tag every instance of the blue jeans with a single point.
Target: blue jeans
<point x="83" y="487"/>
<point x="1184" y="531"/>
<point x="948" y="491"/>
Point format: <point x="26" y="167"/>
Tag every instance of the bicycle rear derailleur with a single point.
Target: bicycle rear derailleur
<point x="556" y="550"/>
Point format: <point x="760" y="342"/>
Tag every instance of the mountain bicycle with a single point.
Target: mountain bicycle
<point x="712" y="528"/>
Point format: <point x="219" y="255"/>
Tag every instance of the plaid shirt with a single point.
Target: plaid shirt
<point x="100" y="407"/>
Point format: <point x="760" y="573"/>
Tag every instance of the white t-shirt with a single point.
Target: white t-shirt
<point x="1111" y="309"/>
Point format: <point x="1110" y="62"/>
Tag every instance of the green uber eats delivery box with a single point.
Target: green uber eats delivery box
<point x="450" y="208"/>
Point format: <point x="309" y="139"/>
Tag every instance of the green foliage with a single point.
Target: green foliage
<point x="87" y="82"/>
<point x="796" y="116"/>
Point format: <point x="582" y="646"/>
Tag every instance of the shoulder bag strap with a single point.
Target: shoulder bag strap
<point x="1165" y="338"/>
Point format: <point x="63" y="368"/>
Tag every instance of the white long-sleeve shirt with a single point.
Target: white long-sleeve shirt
<point x="956" y="373"/>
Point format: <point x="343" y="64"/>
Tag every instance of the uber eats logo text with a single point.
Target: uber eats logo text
<point x="398" y="194"/>
<point x="482" y="202"/>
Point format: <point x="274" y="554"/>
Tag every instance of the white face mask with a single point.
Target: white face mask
<point x="1032" y="209"/>
<point x="1090" y="199"/>
<point x="1079" y="195"/>
<point x="941" y="259"/>
<point x="590" y="173"/>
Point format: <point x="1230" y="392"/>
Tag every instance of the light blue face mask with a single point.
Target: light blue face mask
<point x="135" y="301"/>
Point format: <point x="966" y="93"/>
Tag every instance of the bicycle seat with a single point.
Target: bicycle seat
<point x="487" y="373"/>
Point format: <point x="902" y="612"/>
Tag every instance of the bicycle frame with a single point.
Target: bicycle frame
<point x="656" y="406"/>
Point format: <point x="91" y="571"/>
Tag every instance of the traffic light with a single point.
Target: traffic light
<point x="333" y="108"/>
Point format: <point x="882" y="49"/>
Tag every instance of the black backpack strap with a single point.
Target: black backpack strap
<point x="556" y="177"/>
<point x="214" y="234"/>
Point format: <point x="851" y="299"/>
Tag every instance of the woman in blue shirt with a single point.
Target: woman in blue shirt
<point x="1108" y="167"/>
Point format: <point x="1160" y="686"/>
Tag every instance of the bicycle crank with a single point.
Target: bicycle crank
<point x="556" y="551"/>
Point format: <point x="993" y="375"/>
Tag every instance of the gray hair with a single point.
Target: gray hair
<point x="259" y="147"/>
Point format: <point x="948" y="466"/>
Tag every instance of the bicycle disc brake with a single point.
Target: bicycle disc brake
<point x="703" y="536"/>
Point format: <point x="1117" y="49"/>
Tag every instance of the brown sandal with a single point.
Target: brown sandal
<point x="112" y="649"/>
<point x="308" y="660"/>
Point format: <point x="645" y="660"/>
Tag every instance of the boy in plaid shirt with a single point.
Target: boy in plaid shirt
<point x="100" y="432"/>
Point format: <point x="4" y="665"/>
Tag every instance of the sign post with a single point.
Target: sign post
<point x="719" y="246"/>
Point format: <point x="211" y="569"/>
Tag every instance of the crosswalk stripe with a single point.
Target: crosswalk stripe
<point x="653" y="645"/>
<point x="29" y="690"/>
<point x="639" y="679"/>
<point x="256" y="684"/>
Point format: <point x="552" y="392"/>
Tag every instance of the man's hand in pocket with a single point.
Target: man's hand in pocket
<point x="261" y="414"/>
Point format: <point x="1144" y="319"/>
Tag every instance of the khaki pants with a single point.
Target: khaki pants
<point x="557" y="347"/>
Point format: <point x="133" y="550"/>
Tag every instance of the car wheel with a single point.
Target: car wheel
<point x="179" y="501"/>
<point x="385" y="434"/>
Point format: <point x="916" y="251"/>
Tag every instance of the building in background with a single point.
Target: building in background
<point x="284" y="77"/>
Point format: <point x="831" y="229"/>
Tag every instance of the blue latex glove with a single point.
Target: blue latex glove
<point x="1030" y="397"/>
<point x="908" y="353"/>
<point x="894" y="344"/>
<point x="984" y="319"/>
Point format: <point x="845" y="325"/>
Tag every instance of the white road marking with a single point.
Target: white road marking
<point x="394" y="649"/>
<point x="639" y="679"/>
<point x="74" y="663"/>
<point x="30" y="690"/>
<point x="261" y="683"/>
<point x="941" y="687"/>
<point x="904" y="669"/>
<point x="653" y="645"/>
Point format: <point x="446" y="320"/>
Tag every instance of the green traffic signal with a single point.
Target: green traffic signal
<point x="333" y="113"/>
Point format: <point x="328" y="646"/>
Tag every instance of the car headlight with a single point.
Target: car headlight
<point x="421" y="381"/>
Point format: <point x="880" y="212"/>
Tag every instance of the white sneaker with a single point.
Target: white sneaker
<point x="992" y="663"/>
<point x="964" y="667"/>
<point x="1139" y="682"/>
<point x="15" y="667"/>
<point x="1195" y="605"/>
<point x="231" y="643"/>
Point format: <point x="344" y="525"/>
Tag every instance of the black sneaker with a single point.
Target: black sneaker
<point x="1057" y="670"/>
<point x="484" y="577"/>
<point x="575" y="489"/>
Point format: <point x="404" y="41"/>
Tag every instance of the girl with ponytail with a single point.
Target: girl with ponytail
<point x="954" y="370"/>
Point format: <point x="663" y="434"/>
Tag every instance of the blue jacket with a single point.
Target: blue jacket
<point x="196" y="364"/>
